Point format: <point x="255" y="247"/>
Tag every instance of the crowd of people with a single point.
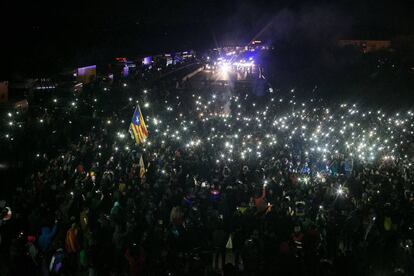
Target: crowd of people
<point x="227" y="183"/>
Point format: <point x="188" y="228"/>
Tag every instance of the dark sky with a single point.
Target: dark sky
<point x="41" y="36"/>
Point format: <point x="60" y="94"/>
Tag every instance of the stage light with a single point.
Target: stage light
<point x="224" y="68"/>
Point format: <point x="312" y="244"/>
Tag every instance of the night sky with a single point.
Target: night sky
<point x="40" y="38"/>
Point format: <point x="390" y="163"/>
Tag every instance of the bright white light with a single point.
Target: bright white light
<point x="146" y="105"/>
<point x="224" y="68"/>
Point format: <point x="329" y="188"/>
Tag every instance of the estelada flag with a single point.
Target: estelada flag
<point x="138" y="127"/>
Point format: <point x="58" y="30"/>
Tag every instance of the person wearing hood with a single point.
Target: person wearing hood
<point x="260" y="201"/>
<point x="32" y="251"/>
<point x="218" y="241"/>
<point x="72" y="245"/>
<point x="119" y="238"/>
<point x="71" y="241"/>
<point x="116" y="212"/>
<point x="135" y="256"/>
<point x="45" y="238"/>
<point x="44" y="243"/>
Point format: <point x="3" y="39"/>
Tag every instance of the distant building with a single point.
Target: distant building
<point x="4" y="91"/>
<point x="168" y="59"/>
<point x="20" y="89"/>
<point x="366" y="46"/>
<point x="188" y="54"/>
<point x="44" y="84"/>
<point x="160" y="61"/>
<point x="13" y="94"/>
<point x="86" y="74"/>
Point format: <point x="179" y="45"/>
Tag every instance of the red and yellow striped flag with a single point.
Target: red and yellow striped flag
<point x="142" y="169"/>
<point x="138" y="127"/>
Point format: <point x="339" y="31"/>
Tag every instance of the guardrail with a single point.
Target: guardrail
<point x="192" y="74"/>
